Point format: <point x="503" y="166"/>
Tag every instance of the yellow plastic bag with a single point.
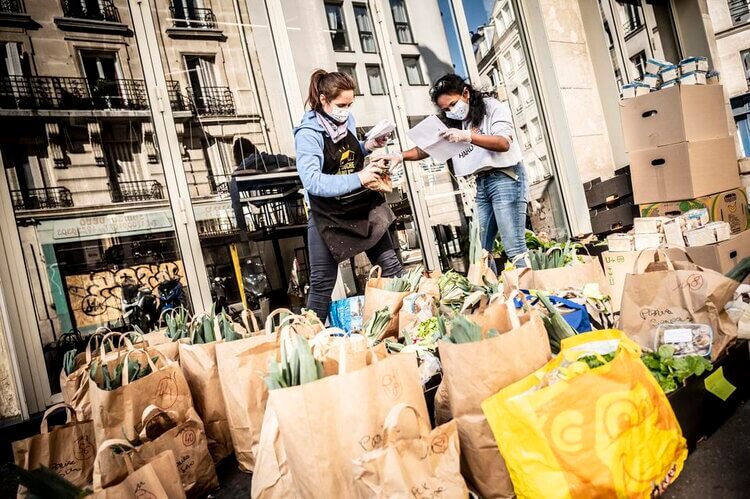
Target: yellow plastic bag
<point x="571" y="431"/>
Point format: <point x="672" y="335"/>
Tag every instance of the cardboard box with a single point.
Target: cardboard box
<point x="649" y="225"/>
<point x="723" y="256"/>
<point x="673" y="115"/>
<point x="603" y="192"/>
<point x="692" y="78"/>
<point x="729" y="206"/>
<point x="606" y="220"/>
<point x="683" y="171"/>
<point x="648" y="241"/>
<point x="744" y="165"/>
<point x="620" y="242"/>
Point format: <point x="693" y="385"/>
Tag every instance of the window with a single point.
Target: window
<point x="525" y="137"/>
<point x="337" y="27"/>
<point x="745" y="56"/>
<point x="634" y="19"/>
<point x="401" y="21"/>
<point x="739" y="10"/>
<point x="375" y="80"/>
<point x="351" y="70"/>
<point x="413" y="70"/>
<point x="517" y="56"/>
<point x="610" y="40"/>
<point x="364" y="26"/>
<point x="507" y="63"/>
<point x="516" y="100"/>
<point x="206" y="96"/>
<point x="507" y="15"/>
<point x="493" y="78"/>
<point x="639" y="61"/>
<point x="526" y="92"/>
<point x="536" y="130"/>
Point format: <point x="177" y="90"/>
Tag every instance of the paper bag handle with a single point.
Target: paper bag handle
<point x="173" y="311"/>
<point x="103" y="447"/>
<point x="272" y="316"/>
<point x="71" y="415"/>
<point x="136" y="334"/>
<point x="657" y="252"/>
<point x="125" y="378"/>
<point x="244" y="316"/>
<point x="373" y="269"/>
<point x="391" y="430"/>
<point x="103" y="353"/>
<point x="96" y="338"/>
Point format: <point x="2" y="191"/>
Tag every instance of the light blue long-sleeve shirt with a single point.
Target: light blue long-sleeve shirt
<point x="308" y="144"/>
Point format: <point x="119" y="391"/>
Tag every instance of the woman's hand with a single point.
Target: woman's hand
<point x="372" y="175"/>
<point x="455" y="135"/>
<point x="377" y="143"/>
<point x="392" y="159"/>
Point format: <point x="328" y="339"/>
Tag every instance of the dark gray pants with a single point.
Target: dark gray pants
<point x="324" y="269"/>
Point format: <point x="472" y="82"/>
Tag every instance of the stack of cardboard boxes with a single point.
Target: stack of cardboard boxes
<point x="682" y="158"/>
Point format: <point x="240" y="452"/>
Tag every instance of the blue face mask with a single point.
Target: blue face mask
<point x="459" y="111"/>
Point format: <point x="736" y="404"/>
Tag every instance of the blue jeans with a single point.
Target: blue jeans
<point x="501" y="206"/>
<point x="324" y="269"/>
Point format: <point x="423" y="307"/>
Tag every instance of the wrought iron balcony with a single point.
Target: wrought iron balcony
<point x="137" y="190"/>
<point x="220" y="184"/>
<point x="631" y="26"/>
<point x="739" y="10"/>
<point x="192" y="17"/>
<point x="53" y="92"/>
<point x="176" y="99"/>
<point x="12" y="6"/>
<point x="93" y="10"/>
<point x="41" y="199"/>
<point x="212" y="101"/>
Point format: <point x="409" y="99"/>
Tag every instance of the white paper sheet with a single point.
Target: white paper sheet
<point x="426" y="135"/>
<point x="383" y="127"/>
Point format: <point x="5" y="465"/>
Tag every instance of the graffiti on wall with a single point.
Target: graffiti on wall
<point x="95" y="297"/>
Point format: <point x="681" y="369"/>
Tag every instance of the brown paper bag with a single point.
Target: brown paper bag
<point x="673" y="292"/>
<point x="413" y="461"/>
<point x="377" y="298"/>
<point x="75" y="386"/>
<point x="471" y="373"/>
<point x="68" y="450"/>
<point x="118" y="412"/>
<point x="576" y="275"/>
<point x="198" y="363"/>
<point x="321" y="427"/>
<point x="480" y="272"/>
<point x="186" y="439"/>
<point x="498" y="313"/>
<point x="157" y="479"/>
<point x="242" y="366"/>
<point x="417" y="307"/>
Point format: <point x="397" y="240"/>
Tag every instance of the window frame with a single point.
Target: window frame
<point x="406" y="23"/>
<point x="641" y="57"/>
<point x="382" y="79"/>
<point x="745" y="60"/>
<point x="360" y="32"/>
<point x="353" y="74"/>
<point x="417" y="59"/>
<point x="334" y="32"/>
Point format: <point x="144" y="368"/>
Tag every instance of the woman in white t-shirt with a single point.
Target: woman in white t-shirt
<point x="492" y="155"/>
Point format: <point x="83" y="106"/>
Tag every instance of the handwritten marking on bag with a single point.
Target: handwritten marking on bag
<point x="142" y="493"/>
<point x="392" y="385"/>
<point x="694" y="282"/>
<point x="188" y="438"/>
<point x="167" y="391"/>
<point x="184" y="464"/>
<point x="83" y="449"/>
<point x="425" y="492"/>
<point x="64" y="469"/>
<point x="658" y="316"/>
<point x="439" y="444"/>
<point x="371" y="442"/>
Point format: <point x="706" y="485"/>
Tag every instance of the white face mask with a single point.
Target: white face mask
<point x="340" y="114"/>
<point x="459" y="111"/>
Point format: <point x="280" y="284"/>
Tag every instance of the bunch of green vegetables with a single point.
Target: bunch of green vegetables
<point x="44" y="483"/>
<point x="226" y="328"/>
<point x="554" y="257"/>
<point x="202" y="329"/>
<point x="427" y="335"/>
<point x="557" y="328"/>
<point x="409" y="282"/>
<point x="113" y="380"/>
<point x="454" y="288"/>
<point x="297" y="365"/>
<point x="464" y="330"/>
<point x="69" y="361"/>
<point x="374" y="328"/>
<point x="670" y="371"/>
<point x="533" y="242"/>
<point x="594" y="361"/>
<point x="177" y="324"/>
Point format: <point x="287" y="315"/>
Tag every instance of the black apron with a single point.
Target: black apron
<point x="355" y="222"/>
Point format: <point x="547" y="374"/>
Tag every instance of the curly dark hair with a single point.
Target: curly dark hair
<point x="454" y="84"/>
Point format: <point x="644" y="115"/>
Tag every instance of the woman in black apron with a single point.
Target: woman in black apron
<point x="347" y="215"/>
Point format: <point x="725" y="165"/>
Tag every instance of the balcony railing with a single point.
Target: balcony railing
<point x="220" y="184"/>
<point x="53" y="92"/>
<point x="631" y="26"/>
<point x="12" y="6"/>
<point x="212" y="101"/>
<point x="41" y="199"/>
<point x="137" y="190"/>
<point x="176" y="99"/>
<point x="93" y="10"/>
<point x="739" y="10"/>
<point x="192" y="17"/>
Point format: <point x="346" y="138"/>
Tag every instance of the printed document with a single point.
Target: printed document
<point x="426" y="135"/>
